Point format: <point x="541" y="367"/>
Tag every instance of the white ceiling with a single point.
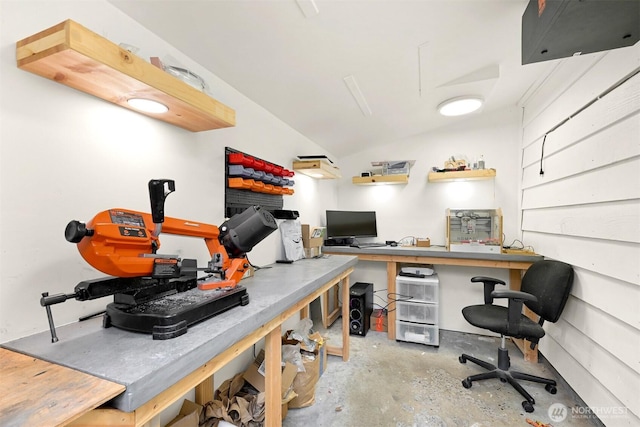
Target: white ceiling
<point x="406" y="57"/>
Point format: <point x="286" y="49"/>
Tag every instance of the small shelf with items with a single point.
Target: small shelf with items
<point x="70" y="54"/>
<point x="317" y="168"/>
<point x="461" y="175"/>
<point x="386" y="172"/>
<point x="380" y="179"/>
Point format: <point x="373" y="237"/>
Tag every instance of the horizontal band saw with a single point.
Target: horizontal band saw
<point x="155" y="293"/>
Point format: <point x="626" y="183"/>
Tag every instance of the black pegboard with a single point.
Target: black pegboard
<point x="237" y="200"/>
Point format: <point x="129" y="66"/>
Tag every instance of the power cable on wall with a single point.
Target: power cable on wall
<point x="584" y="107"/>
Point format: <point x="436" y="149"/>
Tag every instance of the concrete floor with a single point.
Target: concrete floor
<point x="391" y="383"/>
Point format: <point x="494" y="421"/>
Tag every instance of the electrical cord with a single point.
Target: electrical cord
<point x="402" y="298"/>
<point x="542" y="153"/>
<point x="585" y="106"/>
<point x="256" y="267"/>
<point x="521" y="246"/>
<point x="412" y="242"/>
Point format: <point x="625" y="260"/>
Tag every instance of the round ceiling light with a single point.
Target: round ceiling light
<point x="147" y="105"/>
<point x="460" y="106"/>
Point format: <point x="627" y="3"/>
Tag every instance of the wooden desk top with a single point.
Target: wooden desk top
<point x="435" y="255"/>
<point x="146" y="366"/>
<point x="39" y="393"/>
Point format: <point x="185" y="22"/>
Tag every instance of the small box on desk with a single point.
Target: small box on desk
<point x="423" y="243"/>
<point x="312" y="240"/>
<point x="312" y="237"/>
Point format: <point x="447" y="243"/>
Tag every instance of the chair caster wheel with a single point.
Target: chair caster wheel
<point x="528" y="407"/>
<point x="466" y="383"/>
<point x="462" y="359"/>
<point x="551" y="388"/>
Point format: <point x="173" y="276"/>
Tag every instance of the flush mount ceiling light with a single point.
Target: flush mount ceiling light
<point x="460" y="106"/>
<point x="147" y="105"/>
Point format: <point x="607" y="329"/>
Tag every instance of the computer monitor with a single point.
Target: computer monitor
<point x="341" y="224"/>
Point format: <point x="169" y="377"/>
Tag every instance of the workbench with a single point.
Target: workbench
<point x="149" y="375"/>
<point x="394" y="255"/>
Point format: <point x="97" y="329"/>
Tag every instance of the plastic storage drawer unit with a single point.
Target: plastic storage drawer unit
<point x="423" y="289"/>
<point x="417" y="332"/>
<point x="417" y="312"/>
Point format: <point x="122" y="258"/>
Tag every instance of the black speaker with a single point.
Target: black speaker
<point x="360" y="308"/>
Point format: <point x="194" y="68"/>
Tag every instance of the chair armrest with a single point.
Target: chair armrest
<point x="485" y="279"/>
<point x="517" y="295"/>
<point x="516" y="299"/>
<point x="489" y="285"/>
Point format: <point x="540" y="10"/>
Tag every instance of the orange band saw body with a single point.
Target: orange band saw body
<point x="121" y="238"/>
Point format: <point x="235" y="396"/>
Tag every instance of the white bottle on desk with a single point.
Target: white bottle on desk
<point x="481" y="162"/>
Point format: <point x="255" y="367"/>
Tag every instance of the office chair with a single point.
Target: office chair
<point x="545" y="289"/>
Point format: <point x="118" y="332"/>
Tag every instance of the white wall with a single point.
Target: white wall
<point x="585" y="210"/>
<point x="67" y="155"/>
<point x="418" y="208"/>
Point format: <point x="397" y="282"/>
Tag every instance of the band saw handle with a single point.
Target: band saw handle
<point x="159" y="189"/>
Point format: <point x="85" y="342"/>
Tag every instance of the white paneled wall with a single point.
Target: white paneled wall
<point x="585" y="210"/>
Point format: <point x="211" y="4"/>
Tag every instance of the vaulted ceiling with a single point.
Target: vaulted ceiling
<point x="298" y="59"/>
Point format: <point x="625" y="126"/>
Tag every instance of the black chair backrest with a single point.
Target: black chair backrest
<point x="550" y="281"/>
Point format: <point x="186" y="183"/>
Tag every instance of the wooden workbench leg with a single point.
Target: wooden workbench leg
<point x="515" y="282"/>
<point x="345" y="318"/>
<point x="324" y="309"/>
<point x="273" y="379"/>
<point x="304" y="312"/>
<point x="204" y="391"/>
<point x="392" y="272"/>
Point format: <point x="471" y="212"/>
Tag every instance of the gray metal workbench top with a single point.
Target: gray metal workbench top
<point x="146" y="366"/>
<point x="435" y="252"/>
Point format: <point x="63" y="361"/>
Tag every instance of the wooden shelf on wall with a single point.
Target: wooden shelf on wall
<point x="70" y="54"/>
<point x="461" y="175"/>
<point x="317" y="169"/>
<point x="380" y="179"/>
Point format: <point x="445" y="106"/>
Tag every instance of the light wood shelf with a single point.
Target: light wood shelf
<point x="70" y="54"/>
<point x="317" y="169"/>
<point x="461" y="175"/>
<point x="380" y="179"/>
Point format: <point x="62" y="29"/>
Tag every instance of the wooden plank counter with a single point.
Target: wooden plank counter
<point x="155" y="373"/>
<point x="39" y="393"/>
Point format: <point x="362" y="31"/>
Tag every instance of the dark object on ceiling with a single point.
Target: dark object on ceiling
<point x="553" y="29"/>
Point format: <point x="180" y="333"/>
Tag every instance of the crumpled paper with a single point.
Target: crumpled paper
<point x="234" y="403"/>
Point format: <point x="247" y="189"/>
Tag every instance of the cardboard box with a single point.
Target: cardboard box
<point x="315" y="361"/>
<point x="312" y="237"/>
<point x="425" y="243"/>
<point x="320" y="350"/>
<point x="254" y="374"/>
<point x="312" y="252"/>
<point x="189" y="415"/>
<point x="304" y="383"/>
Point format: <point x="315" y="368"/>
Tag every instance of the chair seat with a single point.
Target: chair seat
<point x="496" y="319"/>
